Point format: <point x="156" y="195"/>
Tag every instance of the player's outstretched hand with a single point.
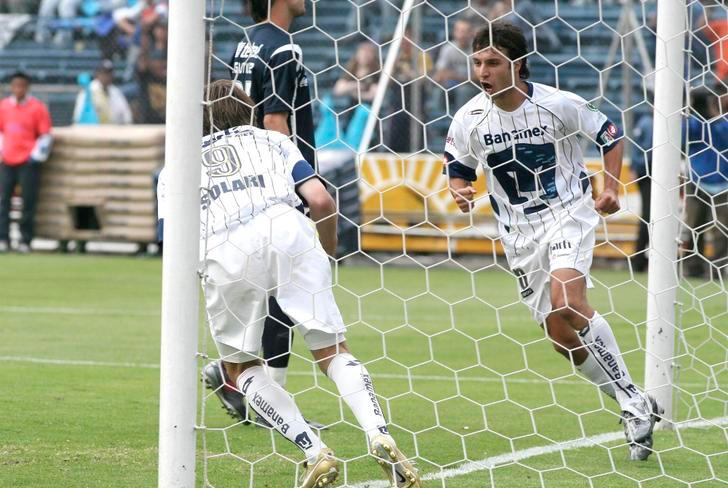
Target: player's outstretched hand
<point x="607" y="202"/>
<point x="463" y="197"/>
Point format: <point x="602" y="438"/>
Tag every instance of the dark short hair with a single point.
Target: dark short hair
<point x="259" y="9"/>
<point x="506" y="38"/>
<point x="20" y="74"/>
<point x="227" y="106"/>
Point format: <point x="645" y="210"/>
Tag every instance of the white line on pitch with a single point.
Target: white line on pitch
<point x="79" y="311"/>
<point x="389" y="376"/>
<point x="76" y="362"/>
<point x="513" y="457"/>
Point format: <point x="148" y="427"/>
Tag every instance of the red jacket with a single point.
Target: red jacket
<point x="20" y="127"/>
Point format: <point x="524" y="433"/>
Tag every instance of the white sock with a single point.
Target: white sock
<point x="602" y="346"/>
<point x="279" y="375"/>
<point x="355" y="387"/>
<point x="594" y="373"/>
<point x="272" y="403"/>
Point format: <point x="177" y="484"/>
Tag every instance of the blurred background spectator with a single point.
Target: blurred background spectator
<point x="641" y="164"/>
<point x="50" y="9"/>
<point x="151" y="74"/>
<point x="410" y="69"/>
<point x="452" y="68"/>
<point x="103" y="98"/>
<point x="706" y="193"/>
<point x="359" y="81"/>
<point x="25" y="127"/>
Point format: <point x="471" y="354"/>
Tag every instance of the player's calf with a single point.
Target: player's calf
<point x="272" y="402"/>
<point x="565" y="340"/>
<point x="357" y="389"/>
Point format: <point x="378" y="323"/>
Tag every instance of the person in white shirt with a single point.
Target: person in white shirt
<point x="256" y="244"/>
<point x="525" y="136"/>
<point x="109" y="103"/>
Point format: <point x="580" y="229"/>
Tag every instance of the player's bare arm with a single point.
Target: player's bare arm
<point x="463" y="192"/>
<point x="608" y="199"/>
<point x="323" y="212"/>
<point x="277" y="121"/>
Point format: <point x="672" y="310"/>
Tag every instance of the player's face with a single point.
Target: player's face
<point x="493" y="71"/>
<point x="19" y="87"/>
<point x="297" y="7"/>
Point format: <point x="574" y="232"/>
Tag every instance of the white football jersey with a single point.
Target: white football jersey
<point x="531" y="156"/>
<point x="245" y="170"/>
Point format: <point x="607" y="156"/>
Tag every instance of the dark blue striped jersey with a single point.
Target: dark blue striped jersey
<point x="269" y="67"/>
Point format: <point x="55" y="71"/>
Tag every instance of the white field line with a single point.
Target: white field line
<point x="80" y="311"/>
<point x="389" y="376"/>
<point x="516" y="456"/>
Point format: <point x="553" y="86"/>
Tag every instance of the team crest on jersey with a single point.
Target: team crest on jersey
<point x="221" y="161"/>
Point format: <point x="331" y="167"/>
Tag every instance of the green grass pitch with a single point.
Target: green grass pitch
<point x="461" y="370"/>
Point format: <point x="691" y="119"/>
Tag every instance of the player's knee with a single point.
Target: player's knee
<point x="570" y="311"/>
<point x="564" y="339"/>
<point x="325" y="355"/>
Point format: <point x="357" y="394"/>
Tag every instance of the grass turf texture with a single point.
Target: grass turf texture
<point x="94" y="425"/>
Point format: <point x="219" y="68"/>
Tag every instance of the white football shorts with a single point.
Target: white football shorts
<point x="565" y="240"/>
<point x="277" y="253"/>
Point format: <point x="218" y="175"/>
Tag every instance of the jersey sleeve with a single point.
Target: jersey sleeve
<point x="281" y="80"/>
<point x="583" y="117"/>
<point x="459" y="162"/>
<point x="296" y="165"/>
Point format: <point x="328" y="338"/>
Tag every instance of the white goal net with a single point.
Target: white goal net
<point x="470" y="385"/>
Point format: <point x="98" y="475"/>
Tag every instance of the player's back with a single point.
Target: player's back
<point x="245" y="170"/>
<point x="269" y="67"/>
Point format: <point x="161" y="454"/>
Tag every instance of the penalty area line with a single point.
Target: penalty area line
<point x="516" y="456"/>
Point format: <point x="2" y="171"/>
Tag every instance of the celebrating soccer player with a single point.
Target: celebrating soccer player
<point x="524" y="135"/>
<point x="259" y="246"/>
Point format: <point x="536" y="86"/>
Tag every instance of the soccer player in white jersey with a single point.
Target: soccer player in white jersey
<point x="525" y="136"/>
<point x="259" y="245"/>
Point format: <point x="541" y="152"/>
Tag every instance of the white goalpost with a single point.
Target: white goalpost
<point x="662" y="283"/>
<point x="240" y="455"/>
<point x="179" y="379"/>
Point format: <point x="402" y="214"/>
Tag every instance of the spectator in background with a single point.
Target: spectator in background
<point x="25" y="128"/>
<point x="127" y="23"/>
<point x="151" y="74"/>
<point x="641" y="164"/>
<point x="717" y="36"/>
<point x="63" y="9"/>
<point x="706" y="194"/>
<point x="452" y="67"/>
<point x="359" y="82"/>
<point x="411" y="66"/>
<point x="108" y="102"/>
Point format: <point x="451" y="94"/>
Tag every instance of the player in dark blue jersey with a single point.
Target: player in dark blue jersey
<point x="269" y="67"/>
